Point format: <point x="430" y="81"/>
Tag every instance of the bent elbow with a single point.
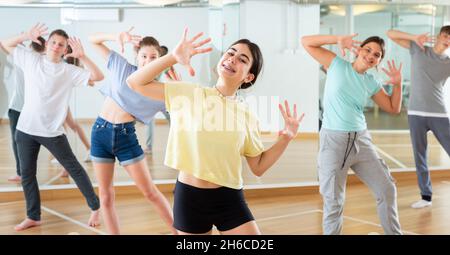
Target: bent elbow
<point x="258" y="172"/>
<point x="130" y="83"/>
<point x="100" y="77"/>
<point x="304" y="41"/>
<point x="390" y="33"/>
<point x="395" y="111"/>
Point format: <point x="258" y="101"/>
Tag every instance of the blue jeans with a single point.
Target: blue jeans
<point x="109" y="141"/>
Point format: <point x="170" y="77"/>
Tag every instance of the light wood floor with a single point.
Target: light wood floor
<point x="293" y="212"/>
<point x="291" y="168"/>
<point x="297" y="164"/>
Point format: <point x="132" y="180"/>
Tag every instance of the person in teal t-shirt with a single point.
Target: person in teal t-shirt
<point x="347" y="89"/>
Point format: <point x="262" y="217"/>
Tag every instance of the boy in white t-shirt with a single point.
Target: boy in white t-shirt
<point x="48" y="83"/>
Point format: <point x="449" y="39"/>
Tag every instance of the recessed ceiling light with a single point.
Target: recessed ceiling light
<point x="158" y="2"/>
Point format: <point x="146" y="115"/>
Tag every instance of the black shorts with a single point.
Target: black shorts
<point x="196" y="210"/>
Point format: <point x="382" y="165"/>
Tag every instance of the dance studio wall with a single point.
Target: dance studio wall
<point x="289" y="73"/>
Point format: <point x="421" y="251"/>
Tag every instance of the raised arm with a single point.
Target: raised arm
<point x="260" y="164"/>
<point x="9" y="44"/>
<point x="391" y="104"/>
<point x="313" y="45"/>
<point x="122" y="38"/>
<point x="144" y="80"/>
<point x="78" y="52"/>
<point x="404" y="39"/>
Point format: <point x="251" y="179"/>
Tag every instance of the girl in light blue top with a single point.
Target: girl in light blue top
<point x="113" y="133"/>
<point x="347" y="90"/>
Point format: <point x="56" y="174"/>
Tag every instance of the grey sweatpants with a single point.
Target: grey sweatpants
<point x="340" y="151"/>
<point x="419" y="126"/>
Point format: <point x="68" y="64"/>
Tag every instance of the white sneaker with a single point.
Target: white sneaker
<point x="55" y="161"/>
<point x="421" y="204"/>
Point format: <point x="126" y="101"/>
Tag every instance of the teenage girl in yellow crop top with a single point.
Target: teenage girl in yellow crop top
<point x="209" y="133"/>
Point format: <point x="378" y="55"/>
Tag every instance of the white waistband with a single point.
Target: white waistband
<point x="428" y="114"/>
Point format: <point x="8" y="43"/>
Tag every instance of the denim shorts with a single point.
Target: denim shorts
<point x="109" y="141"/>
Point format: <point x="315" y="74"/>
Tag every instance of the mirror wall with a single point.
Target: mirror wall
<point x="83" y="18"/>
<point x="390" y="132"/>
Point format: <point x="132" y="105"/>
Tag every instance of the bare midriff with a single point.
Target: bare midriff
<point x="113" y="113"/>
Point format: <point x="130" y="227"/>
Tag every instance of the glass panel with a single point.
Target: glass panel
<point x="376" y="20"/>
<point x="222" y="22"/>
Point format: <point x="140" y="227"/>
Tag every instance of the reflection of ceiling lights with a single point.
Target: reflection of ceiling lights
<point x="425" y="9"/>
<point x="220" y="3"/>
<point x="357" y="9"/>
<point x="158" y="2"/>
<point x="361" y="9"/>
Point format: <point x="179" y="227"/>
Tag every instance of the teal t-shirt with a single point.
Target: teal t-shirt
<point x="345" y="96"/>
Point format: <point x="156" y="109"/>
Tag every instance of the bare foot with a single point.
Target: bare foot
<point x="15" y="178"/>
<point x="94" y="220"/>
<point x="64" y="173"/>
<point x="27" y="223"/>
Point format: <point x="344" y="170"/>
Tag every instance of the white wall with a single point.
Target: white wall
<point x="289" y="72"/>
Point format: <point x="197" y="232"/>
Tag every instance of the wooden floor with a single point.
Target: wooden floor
<point x="296" y="166"/>
<point x="381" y="120"/>
<point x="290" y="169"/>
<point x="294" y="212"/>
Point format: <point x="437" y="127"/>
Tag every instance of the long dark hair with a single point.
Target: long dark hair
<point x="258" y="61"/>
<point x="39" y="48"/>
<point x="71" y="60"/>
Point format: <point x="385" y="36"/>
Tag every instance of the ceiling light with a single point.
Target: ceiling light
<point x="158" y="2"/>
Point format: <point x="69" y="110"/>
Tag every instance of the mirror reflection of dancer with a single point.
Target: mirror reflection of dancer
<point x="348" y="87"/>
<point x="16" y="104"/>
<point x="48" y="84"/>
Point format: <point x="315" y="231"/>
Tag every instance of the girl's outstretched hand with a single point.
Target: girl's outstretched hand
<point x="394" y="73"/>
<point x="185" y="49"/>
<point x="38" y="30"/>
<point x="126" y="37"/>
<point x="291" y="121"/>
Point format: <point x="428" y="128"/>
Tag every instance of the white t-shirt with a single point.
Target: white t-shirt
<point x="16" y="102"/>
<point x="48" y="87"/>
